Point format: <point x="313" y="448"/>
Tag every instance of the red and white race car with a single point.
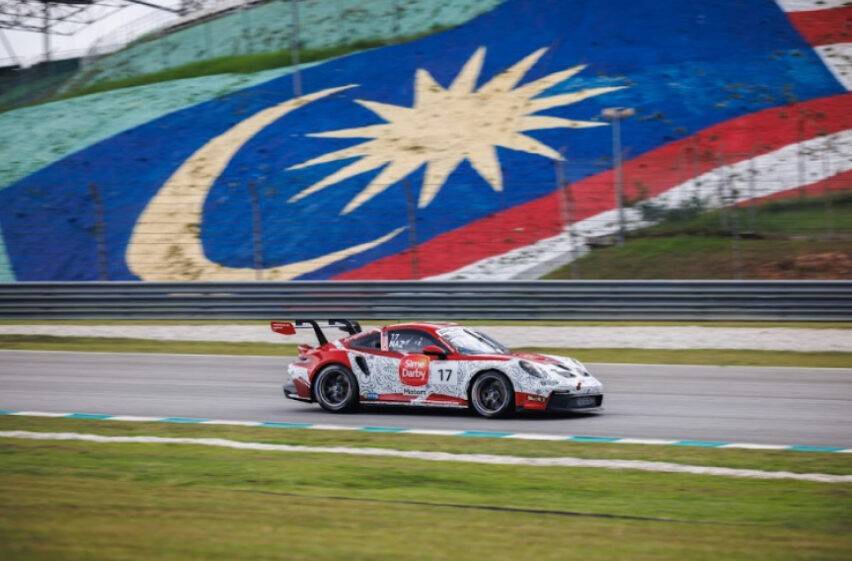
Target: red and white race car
<point x="432" y="364"/>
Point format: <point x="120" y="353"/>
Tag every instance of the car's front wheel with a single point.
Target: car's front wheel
<point x="492" y="395"/>
<point x="336" y="389"/>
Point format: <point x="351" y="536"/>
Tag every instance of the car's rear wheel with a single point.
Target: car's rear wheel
<point x="336" y="389"/>
<point x="492" y="395"/>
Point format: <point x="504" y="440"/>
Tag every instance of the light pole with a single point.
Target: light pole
<point x="616" y="114"/>
<point x="294" y="48"/>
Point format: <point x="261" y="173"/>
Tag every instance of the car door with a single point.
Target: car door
<point x="414" y="369"/>
<point x="446" y="379"/>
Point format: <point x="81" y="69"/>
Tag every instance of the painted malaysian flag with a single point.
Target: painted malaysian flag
<point x="438" y="158"/>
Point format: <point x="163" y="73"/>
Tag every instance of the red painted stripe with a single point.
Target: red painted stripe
<point x="824" y="27"/>
<point x="654" y="172"/>
<point x="442" y="398"/>
<point x="396" y="397"/>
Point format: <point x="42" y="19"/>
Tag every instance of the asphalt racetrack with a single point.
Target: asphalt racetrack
<point x="734" y="404"/>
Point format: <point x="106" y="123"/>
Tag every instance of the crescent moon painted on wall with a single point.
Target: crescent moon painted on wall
<point x="165" y="245"/>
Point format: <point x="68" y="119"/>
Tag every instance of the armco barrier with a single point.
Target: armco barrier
<point x="582" y="300"/>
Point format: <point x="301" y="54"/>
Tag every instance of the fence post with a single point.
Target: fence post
<point x="826" y="191"/>
<point x="396" y="14"/>
<point x="733" y="211"/>
<point x="294" y="48"/>
<point x="256" y="231"/>
<point x="411" y="208"/>
<point x="736" y="250"/>
<point x="567" y="209"/>
<point x="800" y="155"/>
<point x="100" y="232"/>
<point x="752" y="193"/>
<point x="721" y="191"/>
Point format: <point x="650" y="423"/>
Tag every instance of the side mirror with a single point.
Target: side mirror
<point x="434" y="351"/>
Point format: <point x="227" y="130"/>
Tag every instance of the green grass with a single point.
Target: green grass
<point x="127" y="345"/>
<point x="701" y="247"/>
<point x="723" y="357"/>
<point x="477" y="322"/>
<point x="773" y="460"/>
<point x="696" y="257"/>
<point x="803" y="216"/>
<point x="144" y="501"/>
<point x="243" y="64"/>
<point x="720" y="357"/>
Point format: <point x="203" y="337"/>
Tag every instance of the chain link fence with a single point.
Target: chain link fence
<point x="721" y="224"/>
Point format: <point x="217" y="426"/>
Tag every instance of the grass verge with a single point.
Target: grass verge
<point x="718" y="357"/>
<point x="721" y="357"/>
<point x="473" y="322"/>
<point x="245" y="64"/>
<point x="697" y="257"/>
<point x="777" y="460"/>
<point x="127" y="345"/>
<point x="152" y="501"/>
<point x="796" y="238"/>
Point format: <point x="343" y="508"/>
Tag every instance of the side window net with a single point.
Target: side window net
<point x="372" y="340"/>
<point x="409" y="341"/>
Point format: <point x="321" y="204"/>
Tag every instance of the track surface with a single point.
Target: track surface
<point x="733" y="404"/>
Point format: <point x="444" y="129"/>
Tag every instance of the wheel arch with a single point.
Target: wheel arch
<point x="479" y="373"/>
<point x="322" y="366"/>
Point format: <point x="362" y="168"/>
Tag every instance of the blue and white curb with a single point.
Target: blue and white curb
<point x="437" y="432"/>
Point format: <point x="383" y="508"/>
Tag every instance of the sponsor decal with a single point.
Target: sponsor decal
<point x="371" y="396"/>
<point x="414" y="370"/>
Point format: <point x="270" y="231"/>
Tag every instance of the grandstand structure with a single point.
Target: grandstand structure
<point x="66" y="17"/>
<point x="30" y="78"/>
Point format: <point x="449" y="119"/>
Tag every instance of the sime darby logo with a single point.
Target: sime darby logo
<point x="414" y="370"/>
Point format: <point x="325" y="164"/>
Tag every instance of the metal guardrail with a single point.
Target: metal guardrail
<point x="581" y="300"/>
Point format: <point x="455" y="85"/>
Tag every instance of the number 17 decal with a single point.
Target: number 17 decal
<point x="445" y="374"/>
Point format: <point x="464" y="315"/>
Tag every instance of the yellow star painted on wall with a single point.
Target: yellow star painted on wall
<point x="449" y="125"/>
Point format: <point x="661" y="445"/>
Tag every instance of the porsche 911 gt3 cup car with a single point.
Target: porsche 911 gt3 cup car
<point x="446" y="365"/>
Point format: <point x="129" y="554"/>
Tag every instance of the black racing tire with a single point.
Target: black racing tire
<point x="336" y="389"/>
<point x="492" y="395"/>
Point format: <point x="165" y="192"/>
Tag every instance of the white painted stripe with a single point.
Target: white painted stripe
<point x="838" y="59"/>
<point x="133" y="419"/>
<point x="334" y="427"/>
<point x="777" y="171"/>
<point x="224" y="422"/>
<point x="529" y="436"/>
<point x="433" y="432"/>
<point x="651" y="441"/>
<point x="568" y="462"/>
<point x="440" y="432"/>
<point x="810" y="5"/>
<point x="747" y="446"/>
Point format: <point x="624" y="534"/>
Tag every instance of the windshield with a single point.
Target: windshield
<point x="472" y="342"/>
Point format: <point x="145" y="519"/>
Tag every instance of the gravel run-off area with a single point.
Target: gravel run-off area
<point x="639" y="337"/>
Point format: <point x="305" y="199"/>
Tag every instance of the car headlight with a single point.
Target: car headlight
<point x="531" y="369"/>
<point x="565" y="371"/>
<point x="580" y="367"/>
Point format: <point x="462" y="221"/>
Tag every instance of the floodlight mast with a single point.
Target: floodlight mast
<point x="65" y="17"/>
<point x="616" y="114"/>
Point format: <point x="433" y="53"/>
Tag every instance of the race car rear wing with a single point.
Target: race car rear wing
<point x="349" y="326"/>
